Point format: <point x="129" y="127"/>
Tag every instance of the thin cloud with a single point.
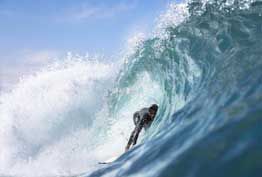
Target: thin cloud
<point x="87" y="12"/>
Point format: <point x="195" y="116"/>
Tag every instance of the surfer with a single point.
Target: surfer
<point x="142" y="118"/>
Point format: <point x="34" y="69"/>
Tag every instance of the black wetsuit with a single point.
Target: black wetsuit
<point x="141" y="119"/>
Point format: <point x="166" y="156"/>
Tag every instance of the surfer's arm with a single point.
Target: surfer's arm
<point x="136" y="118"/>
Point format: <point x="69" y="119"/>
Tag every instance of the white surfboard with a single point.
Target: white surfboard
<point x="110" y="160"/>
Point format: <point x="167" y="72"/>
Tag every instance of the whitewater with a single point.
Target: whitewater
<point x="201" y="64"/>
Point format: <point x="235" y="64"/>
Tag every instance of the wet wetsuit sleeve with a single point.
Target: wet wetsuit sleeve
<point x="136" y="118"/>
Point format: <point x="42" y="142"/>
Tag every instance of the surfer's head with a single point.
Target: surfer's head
<point x="152" y="110"/>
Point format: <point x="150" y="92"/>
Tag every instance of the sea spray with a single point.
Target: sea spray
<point x="48" y="120"/>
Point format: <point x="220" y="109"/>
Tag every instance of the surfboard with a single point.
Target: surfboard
<point x="108" y="161"/>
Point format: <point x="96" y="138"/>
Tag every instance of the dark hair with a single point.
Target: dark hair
<point x="154" y="107"/>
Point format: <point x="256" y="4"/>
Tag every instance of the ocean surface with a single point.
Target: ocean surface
<point x="202" y="65"/>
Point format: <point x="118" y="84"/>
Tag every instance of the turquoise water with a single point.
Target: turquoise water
<point x="209" y="70"/>
<point x="202" y="65"/>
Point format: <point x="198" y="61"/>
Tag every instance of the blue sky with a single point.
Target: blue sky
<point x="32" y="31"/>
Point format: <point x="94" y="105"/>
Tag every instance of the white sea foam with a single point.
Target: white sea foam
<point x="175" y="14"/>
<point x="48" y="120"/>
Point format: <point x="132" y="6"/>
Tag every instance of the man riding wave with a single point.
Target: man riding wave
<point x="142" y="119"/>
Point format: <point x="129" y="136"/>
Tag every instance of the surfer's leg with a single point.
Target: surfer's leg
<point x="130" y="141"/>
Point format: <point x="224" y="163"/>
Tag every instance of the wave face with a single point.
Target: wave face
<point x="206" y="75"/>
<point x="203" y="66"/>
